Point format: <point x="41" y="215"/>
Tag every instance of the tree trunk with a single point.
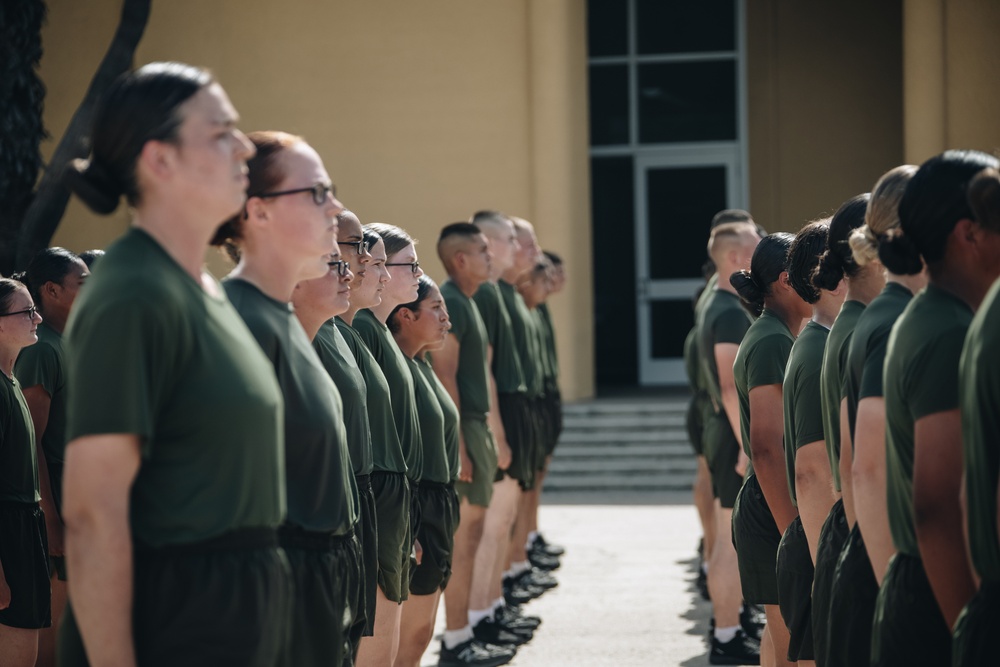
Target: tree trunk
<point x="49" y="204"/>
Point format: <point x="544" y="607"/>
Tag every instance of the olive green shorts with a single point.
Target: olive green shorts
<point x="721" y="453"/>
<point x="972" y="643"/>
<point x="24" y="553"/>
<point x="832" y="538"/>
<point x="695" y="419"/>
<point x="795" y="579"/>
<point x="521" y="436"/>
<point x="482" y="450"/>
<point x="439" y="520"/>
<point x="367" y="528"/>
<point x="852" y="605"/>
<point x="908" y="628"/>
<point x="392" y="515"/>
<point x="756" y="538"/>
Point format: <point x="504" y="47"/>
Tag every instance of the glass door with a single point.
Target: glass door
<point x="678" y="190"/>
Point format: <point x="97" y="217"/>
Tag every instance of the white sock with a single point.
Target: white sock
<point x="498" y="603"/>
<point x="531" y="539"/>
<point x="476" y="615"/>
<point x="453" y="638"/>
<point x="723" y="635"/>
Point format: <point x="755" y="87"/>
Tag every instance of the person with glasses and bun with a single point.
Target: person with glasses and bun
<point x="24" y="553"/>
<point x="54" y="278"/>
<point x="929" y="580"/>
<point x="286" y="234"/>
<point x="763" y="509"/>
<point x="173" y="487"/>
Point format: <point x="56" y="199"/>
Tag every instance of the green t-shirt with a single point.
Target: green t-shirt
<point x="866" y="353"/>
<point x="432" y="427"/>
<point x="451" y="417"/>
<point x="150" y="353"/>
<point x="387" y="453"/>
<point x="322" y="493"/>
<point x="473" y="373"/>
<point x="338" y="360"/>
<point x="706" y="293"/>
<point x="539" y="327"/>
<point x="921" y="379"/>
<point x="800" y="395"/>
<point x="42" y="365"/>
<point x="722" y="319"/>
<point x="761" y="361"/>
<point x="525" y="337"/>
<point x="979" y="394"/>
<point x="392" y="361"/>
<point x="506" y="364"/>
<point x="833" y="379"/>
<point x="18" y="462"/>
<point x="549" y="330"/>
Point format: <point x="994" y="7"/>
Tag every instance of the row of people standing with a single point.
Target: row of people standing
<point x="258" y="471"/>
<point x="867" y="521"/>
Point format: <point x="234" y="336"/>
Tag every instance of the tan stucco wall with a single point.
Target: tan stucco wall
<point x="951" y="63"/>
<point x="824" y="104"/>
<point x="423" y="111"/>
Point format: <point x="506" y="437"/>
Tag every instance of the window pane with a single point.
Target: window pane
<point x="608" y="104"/>
<point x="692" y="101"/>
<point x="680" y="203"/>
<point x="683" y="26"/>
<point x="607" y="27"/>
<point x="613" y="232"/>
<point x="669" y="323"/>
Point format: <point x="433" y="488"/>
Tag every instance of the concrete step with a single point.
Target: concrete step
<point x="636" y="421"/>
<point x="642" y="466"/>
<point x="656" y="481"/>
<point x="620" y="438"/>
<point x="672" y="450"/>
<point x="644" y="408"/>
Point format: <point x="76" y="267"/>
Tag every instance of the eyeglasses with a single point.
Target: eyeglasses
<point x="30" y="312"/>
<point x="319" y="191"/>
<point x="341" y="266"/>
<point x="360" y="247"/>
<point x="414" y="266"/>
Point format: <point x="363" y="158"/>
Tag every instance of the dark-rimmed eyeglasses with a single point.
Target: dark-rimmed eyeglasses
<point x="30" y="312"/>
<point x="341" y="266"/>
<point x="414" y="266"/>
<point x="360" y="247"/>
<point x="319" y="191"/>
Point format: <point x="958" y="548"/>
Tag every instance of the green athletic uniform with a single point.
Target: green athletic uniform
<point x="979" y="393"/>
<point x="451" y="417"/>
<point x="393" y="364"/>
<point x="921" y="379"/>
<point x="760" y="362"/>
<point x="525" y="338"/>
<point x="150" y="353"/>
<point x="553" y="417"/>
<point x="473" y="383"/>
<point x="322" y="493"/>
<point x="432" y="426"/>
<point x="833" y="380"/>
<point x="803" y="415"/>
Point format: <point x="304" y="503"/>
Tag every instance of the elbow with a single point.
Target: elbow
<point x="931" y="510"/>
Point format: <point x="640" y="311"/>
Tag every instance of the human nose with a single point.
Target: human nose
<point x="36" y="317"/>
<point x="245" y="147"/>
<point x="347" y="277"/>
<point x="419" y="272"/>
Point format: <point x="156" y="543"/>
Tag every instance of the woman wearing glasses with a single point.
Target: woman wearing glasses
<point x="172" y="490"/>
<point x="388" y="477"/>
<point x="54" y="278"/>
<point x="286" y="234"/>
<point x="24" y="570"/>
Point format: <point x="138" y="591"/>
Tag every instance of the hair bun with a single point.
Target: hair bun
<point x="20" y="276"/>
<point x="93" y="184"/>
<point x="899" y="253"/>
<point x="830" y="270"/>
<point x="749" y="289"/>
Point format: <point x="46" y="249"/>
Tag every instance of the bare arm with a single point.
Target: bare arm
<point x="445" y="365"/>
<point x="767" y="451"/>
<point x="868" y="477"/>
<point x="937" y="513"/>
<point x="39" y="402"/>
<point x="495" y="422"/>
<point x="100" y="471"/>
<point x="813" y="490"/>
<point x="846" y="460"/>
<point x="725" y="357"/>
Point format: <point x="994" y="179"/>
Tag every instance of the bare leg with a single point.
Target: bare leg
<point x="766" y="648"/>
<point x="47" y="636"/>
<point x="416" y="629"/>
<point x="779" y="635"/>
<point x="518" y="553"/>
<point x="724" y="574"/>
<point x="536" y="496"/>
<point x="492" y="551"/>
<point x="380" y="650"/>
<point x="705" y="503"/>
<point x="467" y="538"/>
<point x="18" y="647"/>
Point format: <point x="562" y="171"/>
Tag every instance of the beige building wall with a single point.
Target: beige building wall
<point x="423" y="112"/>
<point x="825" y="101"/>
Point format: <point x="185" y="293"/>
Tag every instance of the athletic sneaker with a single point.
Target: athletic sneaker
<point x="474" y="653"/>
<point x="536" y="577"/>
<point x="702" y="584"/>
<point x="511" y="617"/>
<point x="752" y="622"/>
<point x="491" y="632"/>
<point x="541" y="544"/>
<point x="542" y="561"/>
<point x="740" y="650"/>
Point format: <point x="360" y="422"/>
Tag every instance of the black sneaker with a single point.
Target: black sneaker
<point x="702" y="584"/>
<point x="537" y="578"/>
<point x="540" y="544"/>
<point x="516" y="593"/>
<point x="740" y="650"/>
<point x="474" y="653"/>
<point x="512" y="617"/>
<point x="491" y="632"/>
<point x="752" y="624"/>
<point x="543" y="562"/>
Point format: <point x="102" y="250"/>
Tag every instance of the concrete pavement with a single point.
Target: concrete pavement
<point x="625" y="595"/>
